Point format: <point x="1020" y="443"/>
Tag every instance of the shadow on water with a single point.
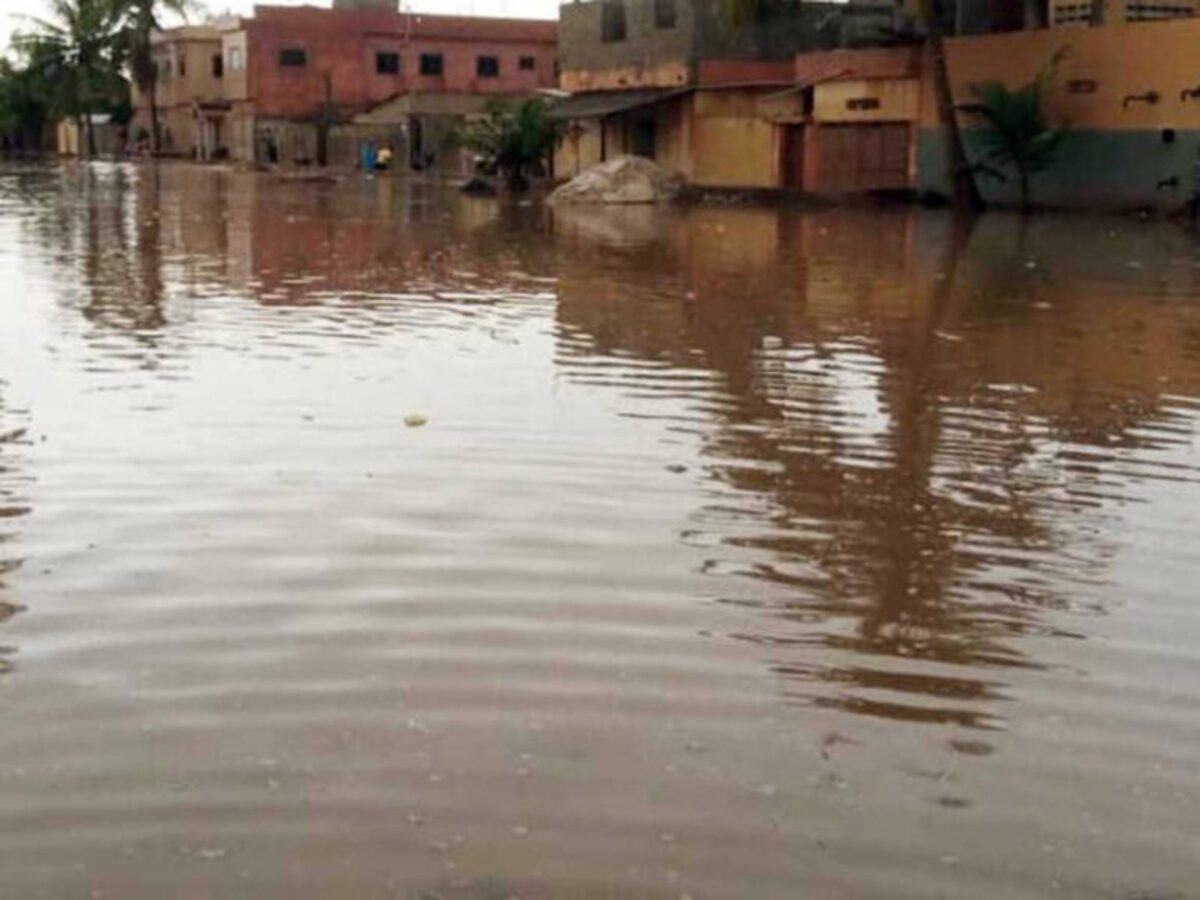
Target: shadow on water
<point x="906" y="485"/>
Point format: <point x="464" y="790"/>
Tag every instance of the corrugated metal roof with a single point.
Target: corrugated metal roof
<point x="598" y="104"/>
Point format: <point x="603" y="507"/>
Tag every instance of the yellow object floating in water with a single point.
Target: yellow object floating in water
<point x="415" y="421"/>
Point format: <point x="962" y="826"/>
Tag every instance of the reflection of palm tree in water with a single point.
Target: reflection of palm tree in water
<point x="12" y="508"/>
<point x="122" y="255"/>
<point x="923" y="536"/>
<point x="878" y="550"/>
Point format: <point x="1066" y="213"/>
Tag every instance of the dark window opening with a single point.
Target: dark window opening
<point x="387" y="63"/>
<point x="664" y="13"/>
<point x="487" y="67"/>
<point x="218" y="66"/>
<point x="863" y="103"/>
<point x="293" y="58"/>
<point x="612" y="22"/>
<point x="182" y="66"/>
<point x="528" y="63"/>
<point x="431" y="64"/>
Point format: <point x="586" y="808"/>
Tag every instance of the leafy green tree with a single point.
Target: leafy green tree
<point x="25" y="106"/>
<point x="1019" y="134"/>
<point x="78" y="49"/>
<point x="514" y="139"/>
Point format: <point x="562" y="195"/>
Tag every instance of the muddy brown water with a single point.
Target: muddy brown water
<point x="742" y="553"/>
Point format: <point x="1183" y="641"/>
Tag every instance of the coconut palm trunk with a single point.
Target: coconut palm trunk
<point x="152" y="100"/>
<point x="91" y="135"/>
<point x="962" y="180"/>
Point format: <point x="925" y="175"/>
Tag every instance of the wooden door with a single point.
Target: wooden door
<point x="863" y="157"/>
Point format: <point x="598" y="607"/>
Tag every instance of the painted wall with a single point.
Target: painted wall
<point x="238" y="133"/>
<point x="899" y="100"/>
<point x="236" y="84"/>
<point x="190" y="49"/>
<point x="579" y="150"/>
<point x="733" y="145"/>
<point x="342" y="45"/>
<point x="1118" y="150"/>
<point x="670" y="73"/>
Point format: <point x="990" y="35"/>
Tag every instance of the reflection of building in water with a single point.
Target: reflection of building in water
<point x="923" y="439"/>
<point x="13" y="507"/>
<point x="309" y="242"/>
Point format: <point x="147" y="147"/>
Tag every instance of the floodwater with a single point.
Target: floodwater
<point x="741" y="553"/>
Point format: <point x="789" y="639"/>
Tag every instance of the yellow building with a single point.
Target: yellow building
<point x="188" y="92"/>
<point x="1128" y="95"/>
<point x="830" y="123"/>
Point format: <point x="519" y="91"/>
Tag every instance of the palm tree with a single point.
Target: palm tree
<point x="931" y="20"/>
<point x="141" y="18"/>
<point x="514" y="139"/>
<point x="1020" y="135"/>
<point x="79" y="45"/>
<point x="965" y="191"/>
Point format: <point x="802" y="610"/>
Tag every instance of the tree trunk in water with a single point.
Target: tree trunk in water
<point x="91" y="135"/>
<point x="152" y="96"/>
<point x="966" y="193"/>
<point x="1024" y="191"/>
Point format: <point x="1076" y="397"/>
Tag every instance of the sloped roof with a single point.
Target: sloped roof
<point x="598" y="104"/>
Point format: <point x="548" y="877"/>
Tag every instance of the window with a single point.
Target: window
<point x="431" y="64"/>
<point x="487" y="67"/>
<point x="528" y="64"/>
<point x="293" y="58"/>
<point x="612" y="22"/>
<point x="387" y="63"/>
<point x="182" y="66"/>
<point x="218" y="66"/>
<point x="664" y="13"/>
<point x="235" y="59"/>
<point x="861" y="103"/>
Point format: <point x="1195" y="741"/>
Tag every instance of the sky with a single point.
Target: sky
<point x="12" y="11"/>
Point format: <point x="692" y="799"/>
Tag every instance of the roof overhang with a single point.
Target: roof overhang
<point x="602" y="104"/>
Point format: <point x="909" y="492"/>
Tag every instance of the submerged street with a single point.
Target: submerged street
<point x="362" y="539"/>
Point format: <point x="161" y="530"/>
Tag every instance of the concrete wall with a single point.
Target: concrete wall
<point x="1117" y="151"/>
<point x="648" y="57"/>
<point x="670" y="57"/>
